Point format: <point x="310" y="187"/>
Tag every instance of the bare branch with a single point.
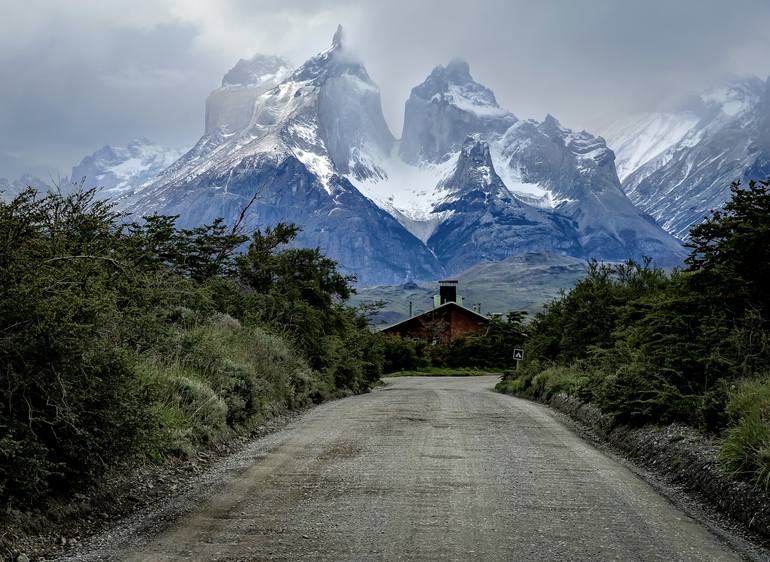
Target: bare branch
<point x="237" y="225"/>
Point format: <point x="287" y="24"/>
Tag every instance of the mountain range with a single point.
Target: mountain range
<point x="467" y="181"/>
<point x="113" y="170"/>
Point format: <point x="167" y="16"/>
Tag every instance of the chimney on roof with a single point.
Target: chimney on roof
<point x="447" y="291"/>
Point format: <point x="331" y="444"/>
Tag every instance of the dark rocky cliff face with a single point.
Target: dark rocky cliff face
<point x="346" y="226"/>
<point x="487" y="223"/>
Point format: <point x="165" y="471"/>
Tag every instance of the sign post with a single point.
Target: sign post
<point x="518" y="355"/>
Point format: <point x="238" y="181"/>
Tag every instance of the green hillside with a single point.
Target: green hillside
<point x="520" y="282"/>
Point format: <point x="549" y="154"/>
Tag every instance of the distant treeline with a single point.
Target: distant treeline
<point x="692" y="346"/>
<point x="123" y="342"/>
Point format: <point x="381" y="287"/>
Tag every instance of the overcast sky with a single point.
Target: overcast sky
<point x="79" y="74"/>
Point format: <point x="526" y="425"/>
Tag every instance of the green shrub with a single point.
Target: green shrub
<point x="662" y="347"/>
<point x="69" y="400"/>
<point x="745" y="447"/>
<point x="189" y="412"/>
<point x="298" y="293"/>
<point x="514" y="384"/>
<point x="555" y="380"/>
<point x="218" y="377"/>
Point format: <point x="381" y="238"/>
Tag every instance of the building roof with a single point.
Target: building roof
<point x="446" y="306"/>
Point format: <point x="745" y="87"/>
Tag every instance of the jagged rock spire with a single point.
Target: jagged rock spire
<point x="444" y="109"/>
<point x="339" y="38"/>
<point x="474" y="169"/>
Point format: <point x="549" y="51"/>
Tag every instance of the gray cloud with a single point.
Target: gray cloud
<point x="80" y="75"/>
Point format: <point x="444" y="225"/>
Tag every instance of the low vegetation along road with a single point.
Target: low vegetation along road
<point x="428" y="468"/>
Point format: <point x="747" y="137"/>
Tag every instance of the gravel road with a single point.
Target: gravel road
<point x="428" y="468"/>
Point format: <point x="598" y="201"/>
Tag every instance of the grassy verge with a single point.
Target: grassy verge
<point x="744" y="445"/>
<point x="444" y="372"/>
<point x="220" y="378"/>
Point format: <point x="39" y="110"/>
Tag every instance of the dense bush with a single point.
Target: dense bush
<point x="491" y="349"/>
<point x="69" y="398"/>
<point x="298" y="292"/>
<point x="218" y="375"/>
<point x="648" y="346"/>
<point x="404" y="354"/>
<point x="138" y="340"/>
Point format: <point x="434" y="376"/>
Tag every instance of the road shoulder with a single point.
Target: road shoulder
<point x="679" y="463"/>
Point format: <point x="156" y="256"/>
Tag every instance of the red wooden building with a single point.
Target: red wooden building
<point x="448" y="320"/>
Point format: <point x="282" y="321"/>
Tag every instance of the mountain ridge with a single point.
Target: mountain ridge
<point x="679" y="165"/>
<point x="293" y="152"/>
<point x="468" y="181"/>
<point x="541" y="164"/>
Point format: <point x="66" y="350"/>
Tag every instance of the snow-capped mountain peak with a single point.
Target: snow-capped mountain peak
<point x="679" y="164"/>
<point x="348" y="118"/>
<point x="646" y="137"/>
<point x="258" y="71"/>
<point x="335" y="62"/>
<point x="338" y="38"/>
<point x="302" y="140"/>
<point x="474" y="168"/>
<point x="229" y="108"/>
<point x="482" y="220"/>
<point x="548" y="164"/>
<point x="454" y="85"/>
<point x="115" y="170"/>
<point x="447" y="107"/>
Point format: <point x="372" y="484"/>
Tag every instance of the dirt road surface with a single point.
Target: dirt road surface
<point x="428" y="468"/>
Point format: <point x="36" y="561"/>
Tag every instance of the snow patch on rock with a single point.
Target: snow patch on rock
<point x="646" y="137"/>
